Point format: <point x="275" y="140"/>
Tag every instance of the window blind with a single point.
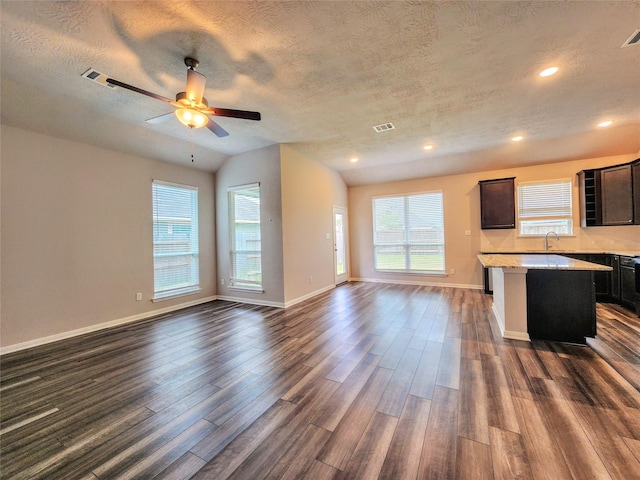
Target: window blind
<point x="409" y="233"/>
<point x="175" y="239"/>
<point x="545" y="206"/>
<point x="245" y="252"/>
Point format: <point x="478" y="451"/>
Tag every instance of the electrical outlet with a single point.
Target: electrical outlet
<point x="310" y="278"/>
<point x="138" y="296"/>
<point x="452" y="271"/>
<point x="222" y="281"/>
<point x="467" y="233"/>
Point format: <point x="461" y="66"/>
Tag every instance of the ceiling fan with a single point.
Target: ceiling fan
<point x="192" y="108"/>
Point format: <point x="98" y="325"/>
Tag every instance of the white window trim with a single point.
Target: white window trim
<point x="407" y="245"/>
<point x="551" y="217"/>
<point x="232" y="280"/>
<point x="182" y="291"/>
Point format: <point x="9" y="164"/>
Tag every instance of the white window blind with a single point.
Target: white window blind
<point x="544" y="207"/>
<point x="245" y="253"/>
<point x="175" y="239"/>
<point x="408" y="233"/>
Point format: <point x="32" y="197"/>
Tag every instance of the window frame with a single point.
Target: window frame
<point x="568" y="217"/>
<point x="408" y="246"/>
<point x="193" y="252"/>
<point x="235" y="282"/>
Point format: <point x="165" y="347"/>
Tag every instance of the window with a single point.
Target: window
<point x="545" y="207"/>
<point x="408" y="233"/>
<point x="245" y="247"/>
<point x="175" y="240"/>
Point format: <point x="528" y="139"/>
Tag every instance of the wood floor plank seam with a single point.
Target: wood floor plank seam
<point x="365" y="381"/>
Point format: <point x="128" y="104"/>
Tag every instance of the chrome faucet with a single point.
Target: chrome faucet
<point x="546" y="240"/>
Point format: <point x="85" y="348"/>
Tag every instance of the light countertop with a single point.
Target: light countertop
<point x="537" y="262"/>
<point x="626" y="253"/>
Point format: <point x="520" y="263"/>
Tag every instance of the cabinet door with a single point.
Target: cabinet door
<point x="615" y="278"/>
<point x="497" y="203"/>
<point x="627" y="286"/>
<point x="617" y="199"/>
<point x="635" y="166"/>
<point x="602" y="280"/>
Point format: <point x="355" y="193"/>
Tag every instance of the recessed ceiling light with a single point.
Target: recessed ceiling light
<point x="354" y="160"/>
<point x="428" y="147"/>
<point x="547" y="72"/>
<point x="517" y="138"/>
<point x="605" y="124"/>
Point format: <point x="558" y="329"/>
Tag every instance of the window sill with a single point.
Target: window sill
<point x="433" y="273"/>
<point x="178" y="293"/>
<point x="247" y="289"/>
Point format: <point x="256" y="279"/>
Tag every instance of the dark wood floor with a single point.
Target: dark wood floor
<point x="365" y="381"/>
<point x="618" y="340"/>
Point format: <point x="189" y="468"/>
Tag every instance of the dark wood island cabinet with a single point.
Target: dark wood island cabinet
<point x="561" y="305"/>
<point x="620" y="283"/>
<point x="543" y="296"/>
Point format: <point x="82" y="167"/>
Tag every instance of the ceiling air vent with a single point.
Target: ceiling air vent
<point x="633" y="39"/>
<point x="384" y="127"/>
<point x="97" y="77"/>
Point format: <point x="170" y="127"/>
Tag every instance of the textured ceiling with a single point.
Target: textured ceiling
<point x="459" y="75"/>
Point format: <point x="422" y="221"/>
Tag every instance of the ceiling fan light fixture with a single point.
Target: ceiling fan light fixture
<point x="191" y="118"/>
<point x="183" y="98"/>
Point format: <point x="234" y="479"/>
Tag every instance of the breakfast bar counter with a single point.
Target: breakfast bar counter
<point x="547" y="297"/>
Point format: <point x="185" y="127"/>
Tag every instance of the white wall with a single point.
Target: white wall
<point x="309" y="193"/>
<point x="462" y="212"/>
<point x="259" y="166"/>
<point x="77" y="236"/>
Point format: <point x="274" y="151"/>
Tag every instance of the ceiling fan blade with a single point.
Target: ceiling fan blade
<point x="217" y="129"/>
<point x="138" y="90"/>
<point x="195" y="86"/>
<point x="226" y="112"/>
<point x="161" y="118"/>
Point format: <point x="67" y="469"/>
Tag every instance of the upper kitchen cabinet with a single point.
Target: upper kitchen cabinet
<point x="610" y="195"/>
<point x="635" y="174"/>
<point x="497" y="203"/>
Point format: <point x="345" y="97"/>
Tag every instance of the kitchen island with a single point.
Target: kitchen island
<point x="547" y="297"/>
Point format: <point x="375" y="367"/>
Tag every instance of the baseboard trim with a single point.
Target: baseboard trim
<point x="100" y="326"/>
<point x="250" y="301"/>
<point x="413" y="282"/>
<point x="499" y="319"/>
<point x="291" y="303"/>
<point x="511" y="335"/>
<point x="516" y="335"/>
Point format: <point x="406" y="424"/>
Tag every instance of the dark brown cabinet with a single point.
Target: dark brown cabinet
<point x="621" y="285"/>
<point x="615" y="277"/>
<point x="561" y="305"/>
<point x="635" y="175"/>
<point x="628" y="282"/>
<point x="617" y="195"/>
<point x="610" y="195"/>
<point x="497" y="203"/>
<point x="602" y="280"/>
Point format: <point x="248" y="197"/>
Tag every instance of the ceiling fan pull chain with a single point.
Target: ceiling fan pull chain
<point x="191" y="141"/>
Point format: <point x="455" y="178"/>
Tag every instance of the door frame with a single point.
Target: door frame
<point x="344" y="277"/>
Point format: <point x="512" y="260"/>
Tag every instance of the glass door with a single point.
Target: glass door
<point x="340" y="259"/>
